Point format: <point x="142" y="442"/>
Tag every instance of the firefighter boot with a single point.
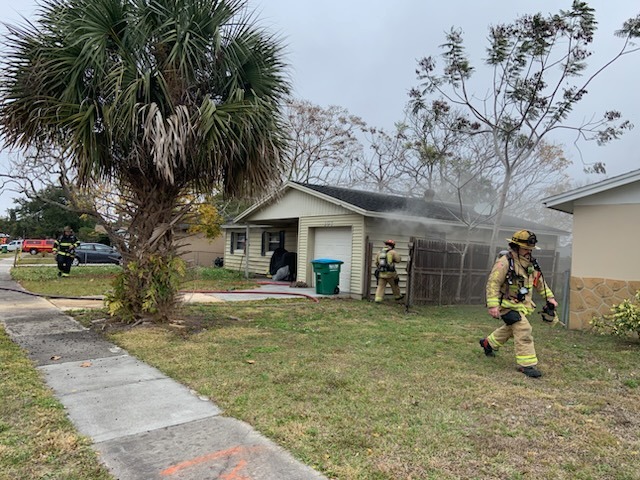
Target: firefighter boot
<point x="488" y="350"/>
<point x="530" y="371"/>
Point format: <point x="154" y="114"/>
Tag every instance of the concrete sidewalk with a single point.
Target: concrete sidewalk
<point x="144" y="425"/>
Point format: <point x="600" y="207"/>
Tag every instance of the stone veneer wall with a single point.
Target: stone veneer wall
<point x="591" y="297"/>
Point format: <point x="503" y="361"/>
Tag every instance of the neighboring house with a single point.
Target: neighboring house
<point x="193" y="248"/>
<point x="605" y="265"/>
<point x="339" y="223"/>
<point x="196" y="249"/>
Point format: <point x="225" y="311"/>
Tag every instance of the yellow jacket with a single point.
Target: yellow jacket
<point x="392" y="258"/>
<point x="501" y="293"/>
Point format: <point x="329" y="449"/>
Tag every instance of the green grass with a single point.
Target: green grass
<point x="84" y="280"/>
<point x="36" y="439"/>
<point x="364" y="391"/>
<point x="204" y="278"/>
<point x="89" y="280"/>
<point x="369" y="392"/>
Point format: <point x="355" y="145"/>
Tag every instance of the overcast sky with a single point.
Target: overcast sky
<point x="361" y="55"/>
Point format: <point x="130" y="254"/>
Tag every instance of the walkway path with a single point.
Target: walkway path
<point x="144" y="425"/>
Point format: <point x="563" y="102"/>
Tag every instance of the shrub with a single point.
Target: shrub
<point x="623" y="320"/>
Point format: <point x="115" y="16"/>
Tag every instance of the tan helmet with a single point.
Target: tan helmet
<point x="391" y="243"/>
<point x="524" y="239"/>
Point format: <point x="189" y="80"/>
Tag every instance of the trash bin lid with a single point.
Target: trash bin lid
<point x="326" y="260"/>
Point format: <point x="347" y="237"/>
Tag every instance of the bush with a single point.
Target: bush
<point x="623" y="320"/>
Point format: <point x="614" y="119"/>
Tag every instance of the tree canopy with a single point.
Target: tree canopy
<point x="160" y="98"/>
<point x="45" y="217"/>
<point x="537" y="64"/>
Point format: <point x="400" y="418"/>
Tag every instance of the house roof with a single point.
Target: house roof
<point x="564" y="202"/>
<point x="398" y="207"/>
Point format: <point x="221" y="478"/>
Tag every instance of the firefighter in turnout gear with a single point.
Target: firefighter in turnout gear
<point x="386" y="262"/>
<point x="64" y="250"/>
<point x="509" y="297"/>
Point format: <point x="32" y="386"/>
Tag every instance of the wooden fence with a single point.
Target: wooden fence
<point x="435" y="275"/>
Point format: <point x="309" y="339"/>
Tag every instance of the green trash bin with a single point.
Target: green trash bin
<point x="4" y="248"/>
<point x="327" y="273"/>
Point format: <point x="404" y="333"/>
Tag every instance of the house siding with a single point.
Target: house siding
<point x="198" y="250"/>
<point x="379" y="231"/>
<point x="258" y="263"/>
<point x="600" y="230"/>
<point x="296" y="204"/>
<point x="599" y="277"/>
<point x="305" y="239"/>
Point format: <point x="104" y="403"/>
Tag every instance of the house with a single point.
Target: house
<point x="198" y="250"/>
<point x="320" y="221"/>
<point x="605" y="266"/>
<point x="194" y="248"/>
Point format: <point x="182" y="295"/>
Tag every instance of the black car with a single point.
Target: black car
<point x="96" y="253"/>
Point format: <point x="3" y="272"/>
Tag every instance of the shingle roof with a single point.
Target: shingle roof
<point x="420" y="208"/>
<point x="380" y="202"/>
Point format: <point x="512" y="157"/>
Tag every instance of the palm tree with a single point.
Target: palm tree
<point x="162" y="98"/>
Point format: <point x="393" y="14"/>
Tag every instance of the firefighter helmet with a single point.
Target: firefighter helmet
<point x="524" y="239"/>
<point x="391" y="243"/>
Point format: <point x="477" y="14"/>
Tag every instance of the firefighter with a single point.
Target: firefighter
<point x="509" y="297"/>
<point x="386" y="262"/>
<point x="64" y="250"/>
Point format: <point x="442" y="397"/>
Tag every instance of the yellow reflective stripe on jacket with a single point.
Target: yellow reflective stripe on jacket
<point x="546" y="291"/>
<point x="493" y="302"/>
<point x="517" y="306"/>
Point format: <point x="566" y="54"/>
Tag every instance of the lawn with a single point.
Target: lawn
<point x="91" y="280"/>
<point x="365" y="391"/>
<point x="37" y="441"/>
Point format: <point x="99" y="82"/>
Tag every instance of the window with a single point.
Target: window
<point x="271" y="241"/>
<point x="238" y="241"/>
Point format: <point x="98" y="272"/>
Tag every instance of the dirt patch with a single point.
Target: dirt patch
<point x="84" y="304"/>
<point x="184" y="322"/>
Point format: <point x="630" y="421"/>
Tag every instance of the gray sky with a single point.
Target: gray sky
<point x="361" y="55"/>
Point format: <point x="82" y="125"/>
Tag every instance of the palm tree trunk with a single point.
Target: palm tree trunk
<point x="148" y="282"/>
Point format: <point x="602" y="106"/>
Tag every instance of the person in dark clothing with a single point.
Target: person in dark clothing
<point x="64" y="250"/>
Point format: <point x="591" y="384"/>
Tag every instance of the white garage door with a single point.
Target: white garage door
<point x="335" y="243"/>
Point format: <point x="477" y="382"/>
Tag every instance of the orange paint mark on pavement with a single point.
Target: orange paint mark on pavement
<point x="233" y="474"/>
<point x="198" y="460"/>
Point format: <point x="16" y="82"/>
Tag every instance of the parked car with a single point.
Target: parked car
<point x="14" y="245"/>
<point x="96" y="253"/>
<point x="36" y="246"/>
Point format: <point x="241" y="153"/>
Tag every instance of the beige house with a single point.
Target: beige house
<point x="319" y="221"/>
<point x="198" y="250"/>
<point x="605" y="265"/>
